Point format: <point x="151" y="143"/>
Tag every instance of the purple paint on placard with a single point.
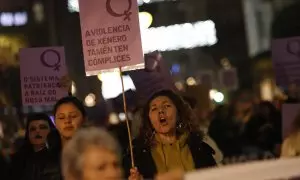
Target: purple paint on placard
<point x="47" y="59"/>
<point x="126" y="13"/>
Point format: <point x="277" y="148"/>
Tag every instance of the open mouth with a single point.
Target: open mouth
<point x="163" y="121"/>
<point x="38" y="137"/>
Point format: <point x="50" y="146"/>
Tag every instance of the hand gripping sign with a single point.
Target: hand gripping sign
<point x="41" y="72"/>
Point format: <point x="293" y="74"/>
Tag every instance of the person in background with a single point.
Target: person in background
<point x="69" y="114"/>
<point x="28" y="162"/>
<point x="169" y="139"/>
<point x="264" y="131"/>
<point x="92" y="154"/>
<point x="203" y="115"/>
<point x="228" y="129"/>
<point x="291" y="144"/>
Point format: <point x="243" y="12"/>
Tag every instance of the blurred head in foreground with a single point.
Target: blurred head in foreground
<point x="91" y="154"/>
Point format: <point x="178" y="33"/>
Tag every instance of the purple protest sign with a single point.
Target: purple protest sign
<point x="42" y="70"/>
<point x="286" y="60"/>
<point x="110" y="35"/>
<point x="154" y="78"/>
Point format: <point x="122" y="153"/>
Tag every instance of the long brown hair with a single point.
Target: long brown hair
<point x="186" y="121"/>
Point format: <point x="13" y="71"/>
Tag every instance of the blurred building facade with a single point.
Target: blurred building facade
<point x="50" y="23"/>
<point x="243" y="30"/>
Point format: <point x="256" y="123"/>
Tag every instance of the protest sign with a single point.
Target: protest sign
<point x="261" y="170"/>
<point x="110" y="35"/>
<point x="154" y="78"/>
<point x="41" y="72"/>
<point x="286" y="60"/>
<point x="289" y="113"/>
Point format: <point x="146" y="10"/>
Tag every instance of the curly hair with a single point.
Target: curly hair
<point x="186" y="122"/>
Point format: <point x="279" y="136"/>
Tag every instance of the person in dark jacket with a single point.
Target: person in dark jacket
<point x="169" y="139"/>
<point x="28" y="163"/>
<point x="69" y="114"/>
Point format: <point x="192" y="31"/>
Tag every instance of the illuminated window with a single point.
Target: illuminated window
<point x="13" y="19"/>
<point x="179" y="36"/>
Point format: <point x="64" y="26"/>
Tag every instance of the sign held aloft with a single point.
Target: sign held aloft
<point x="41" y="72"/>
<point x="110" y="35"/>
<point x="154" y="78"/>
<point x="286" y="61"/>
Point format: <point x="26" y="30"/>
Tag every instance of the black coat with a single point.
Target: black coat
<point x="29" y="165"/>
<point x="42" y="165"/>
<point x="4" y="167"/>
<point x="52" y="170"/>
<point x="201" y="152"/>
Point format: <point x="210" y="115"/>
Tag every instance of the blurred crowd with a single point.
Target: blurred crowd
<point x="170" y="134"/>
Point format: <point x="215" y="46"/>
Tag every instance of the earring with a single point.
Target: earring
<point x="179" y="125"/>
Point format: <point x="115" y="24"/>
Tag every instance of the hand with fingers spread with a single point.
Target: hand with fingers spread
<point x="135" y="174"/>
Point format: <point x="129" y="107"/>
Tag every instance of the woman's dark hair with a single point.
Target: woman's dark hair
<point x="34" y="117"/>
<point x="70" y="99"/>
<point x="186" y="122"/>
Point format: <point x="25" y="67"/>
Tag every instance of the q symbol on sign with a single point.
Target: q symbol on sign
<point x="51" y="62"/>
<point x="126" y="12"/>
<point x="293" y="47"/>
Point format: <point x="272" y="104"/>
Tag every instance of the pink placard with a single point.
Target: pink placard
<point x="110" y="35"/>
<point x="286" y="60"/>
<point x="41" y="73"/>
<point x="289" y="113"/>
